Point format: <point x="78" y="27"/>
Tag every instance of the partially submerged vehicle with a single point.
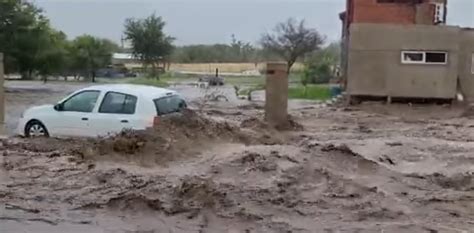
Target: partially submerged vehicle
<point x="101" y="110"/>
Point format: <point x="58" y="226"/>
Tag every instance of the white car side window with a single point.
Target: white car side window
<point x="118" y="103"/>
<point x="81" y="102"/>
<point x="169" y="104"/>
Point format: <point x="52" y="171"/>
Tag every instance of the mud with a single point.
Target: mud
<point x="175" y="137"/>
<point x="259" y="123"/>
<point x="363" y="169"/>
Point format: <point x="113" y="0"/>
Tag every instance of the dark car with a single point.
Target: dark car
<point x="213" y="81"/>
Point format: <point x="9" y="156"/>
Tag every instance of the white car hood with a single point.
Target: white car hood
<point x="39" y="109"/>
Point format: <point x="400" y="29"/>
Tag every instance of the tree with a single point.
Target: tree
<point x="237" y="51"/>
<point x="292" y="40"/>
<point x="320" y="65"/>
<point x="90" y="53"/>
<point x="53" y="58"/>
<point x="23" y="32"/>
<point x="31" y="46"/>
<point x="149" y="43"/>
<point x="15" y="17"/>
<point x="330" y="54"/>
<point x="316" y="73"/>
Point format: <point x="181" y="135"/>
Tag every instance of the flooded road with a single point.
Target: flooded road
<point x="369" y="168"/>
<point x="21" y="95"/>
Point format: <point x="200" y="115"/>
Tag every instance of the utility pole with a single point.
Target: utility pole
<point x="122" y="42"/>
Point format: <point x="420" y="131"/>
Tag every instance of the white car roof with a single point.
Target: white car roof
<point x="132" y="89"/>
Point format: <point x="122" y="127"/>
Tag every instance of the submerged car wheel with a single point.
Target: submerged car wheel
<point x="35" y="128"/>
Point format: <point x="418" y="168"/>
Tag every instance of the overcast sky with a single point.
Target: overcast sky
<point x="210" y="21"/>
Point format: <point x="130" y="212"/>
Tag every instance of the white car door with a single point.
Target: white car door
<point x="72" y="116"/>
<point x="116" y="112"/>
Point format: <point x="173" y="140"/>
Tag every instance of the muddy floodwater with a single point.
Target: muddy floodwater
<point x="368" y="168"/>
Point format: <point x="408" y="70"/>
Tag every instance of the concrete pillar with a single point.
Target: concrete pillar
<point x="2" y="97"/>
<point x="276" y="95"/>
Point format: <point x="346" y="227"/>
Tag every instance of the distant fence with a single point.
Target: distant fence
<point x="242" y="68"/>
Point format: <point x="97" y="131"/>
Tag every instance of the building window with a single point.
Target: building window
<point x="424" y="57"/>
<point x="436" y="57"/>
<point x="412" y="57"/>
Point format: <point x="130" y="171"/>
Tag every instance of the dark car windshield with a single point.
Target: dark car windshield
<point x="169" y="104"/>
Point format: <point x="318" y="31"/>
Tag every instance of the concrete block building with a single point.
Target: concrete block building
<point x="403" y="48"/>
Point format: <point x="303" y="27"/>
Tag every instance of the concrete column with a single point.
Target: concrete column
<point x="2" y="97"/>
<point x="276" y="95"/>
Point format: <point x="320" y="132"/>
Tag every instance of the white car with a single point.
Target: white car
<point x="101" y="110"/>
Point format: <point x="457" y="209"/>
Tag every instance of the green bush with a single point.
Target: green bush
<point x="311" y="92"/>
<point x="316" y="74"/>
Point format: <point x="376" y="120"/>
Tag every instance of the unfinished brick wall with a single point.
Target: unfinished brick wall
<point x="401" y="12"/>
<point x="369" y="11"/>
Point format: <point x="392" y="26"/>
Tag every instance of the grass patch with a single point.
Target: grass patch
<point x="312" y="92"/>
<point x="149" y="82"/>
<point x="244" y="80"/>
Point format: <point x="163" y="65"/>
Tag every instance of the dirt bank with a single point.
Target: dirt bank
<point x="344" y="170"/>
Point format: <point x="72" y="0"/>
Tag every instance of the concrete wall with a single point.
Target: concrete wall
<point x="375" y="67"/>
<point x="466" y="69"/>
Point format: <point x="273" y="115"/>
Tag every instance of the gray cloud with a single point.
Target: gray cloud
<point x="210" y="21"/>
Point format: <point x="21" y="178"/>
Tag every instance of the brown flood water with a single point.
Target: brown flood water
<point x="370" y="168"/>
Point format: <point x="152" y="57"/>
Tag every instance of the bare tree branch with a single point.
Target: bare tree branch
<point x="291" y="40"/>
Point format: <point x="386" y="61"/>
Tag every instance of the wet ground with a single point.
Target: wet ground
<point x="369" y="168"/>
